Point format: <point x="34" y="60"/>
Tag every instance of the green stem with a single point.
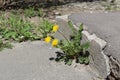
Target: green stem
<point x="64" y="36"/>
<point x="67" y="41"/>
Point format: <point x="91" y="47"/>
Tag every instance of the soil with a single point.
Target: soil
<point x="73" y="8"/>
<point x="63" y="9"/>
<point x="97" y="6"/>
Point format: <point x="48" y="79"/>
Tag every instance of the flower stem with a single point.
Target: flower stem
<point x="64" y="36"/>
<point x="67" y="41"/>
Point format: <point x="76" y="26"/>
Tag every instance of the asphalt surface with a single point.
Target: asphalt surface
<point x="104" y="25"/>
<point x="30" y="61"/>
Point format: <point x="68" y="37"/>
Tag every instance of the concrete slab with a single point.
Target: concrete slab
<point x="30" y="61"/>
<point x="105" y="26"/>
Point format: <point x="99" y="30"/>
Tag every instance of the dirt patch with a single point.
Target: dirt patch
<point x="97" y="6"/>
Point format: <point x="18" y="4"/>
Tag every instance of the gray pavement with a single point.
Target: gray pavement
<point x="30" y="61"/>
<point x="104" y="25"/>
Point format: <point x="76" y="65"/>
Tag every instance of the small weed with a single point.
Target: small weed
<point x="45" y="27"/>
<point x="4" y="45"/>
<point x="110" y="6"/>
<point x="31" y="12"/>
<point x="73" y="49"/>
<point x="40" y="13"/>
<point x="17" y="29"/>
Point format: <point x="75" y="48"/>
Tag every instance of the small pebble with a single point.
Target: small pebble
<point x="57" y="13"/>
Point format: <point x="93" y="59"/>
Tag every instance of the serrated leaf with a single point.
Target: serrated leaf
<point x="25" y="29"/>
<point x="87" y="60"/>
<point x="81" y="60"/>
<point x="81" y="27"/>
<point x="85" y="46"/>
<point x="69" y="62"/>
<point x="10" y="35"/>
<point x="71" y="26"/>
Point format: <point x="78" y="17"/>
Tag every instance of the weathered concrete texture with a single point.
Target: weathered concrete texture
<point x="30" y="61"/>
<point x="64" y="29"/>
<point x="106" y="26"/>
<point x="115" y="67"/>
<point x="99" y="61"/>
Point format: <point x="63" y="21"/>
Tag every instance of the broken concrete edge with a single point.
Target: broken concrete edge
<point x="94" y="40"/>
<point x="100" y="42"/>
<point x="114" y="67"/>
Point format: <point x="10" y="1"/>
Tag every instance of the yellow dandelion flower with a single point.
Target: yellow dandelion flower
<point x="55" y="42"/>
<point x="55" y="28"/>
<point x="48" y="39"/>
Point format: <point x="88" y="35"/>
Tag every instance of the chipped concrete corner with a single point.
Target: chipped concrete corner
<point x="105" y="65"/>
<point x="99" y="61"/>
<point x="115" y="68"/>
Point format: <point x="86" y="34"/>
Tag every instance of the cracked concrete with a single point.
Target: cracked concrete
<point x="96" y="49"/>
<point x="106" y="27"/>
<point x="99" y="61"/>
